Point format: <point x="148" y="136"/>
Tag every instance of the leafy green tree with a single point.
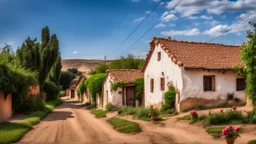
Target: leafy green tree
<point x="56" y="71"/>
<point x="129" y="62"/>
<point x="102" y="68"/>
<point x="248" y="57"/>
<point x="65" y="78"/>
<point x="74" y="71"/>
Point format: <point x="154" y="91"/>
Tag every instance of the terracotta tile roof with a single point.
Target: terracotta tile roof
<point x="81" y="77"/>
<point x="197" y="54"/>
<point x="124" y="75"/>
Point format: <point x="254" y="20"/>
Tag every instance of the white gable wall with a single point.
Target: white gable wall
<point x="154" y="69"/>
<point x="111" y="97"/>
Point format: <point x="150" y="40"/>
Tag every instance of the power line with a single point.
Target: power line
<point x="139" y="25"/>
<point x="151" y="27"/>
<point x="232" y="26"/>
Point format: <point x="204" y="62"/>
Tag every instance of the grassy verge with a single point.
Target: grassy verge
<point x="124" y="126"/>
<point x="252" y="142"/>
<point x="185" y="117"/>
<point x="215" y="131"/>
<point x="12" y="132"/>
<point x="99" y="113"/>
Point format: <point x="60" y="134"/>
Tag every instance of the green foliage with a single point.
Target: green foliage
<point x="129" y="62"/>
<point x="99" y="113"/>
<point x="124" y="126"/>
<point x="240" y="70"/>
<point x="52" y="90"/>
<point x="62" y="93"/>
<point x="252" y="142"/>
<point x="55" y="72"/>
<point x="94" y="84"/>
<point x="126" y="110"/>
<point x="169" y="98"/>
<point x="109" y="107"/>
<point x="141" y="112"/>
<point x="27" y="105"/>
<point x="215" y="131"/>
<point x="65" y="78"/>
<point x="249" y="60"/>
<point x="251" y="117"/>
<point x="185" y="117"/>
<point x="139" y="87"/>
<point x="102" y="68"/>
<point x="217" y="118"/>
<point x="116" y="85"/>
<point x="81" y="88"/>
<point x="74" y="71"/>
<point x="153" y="111"/>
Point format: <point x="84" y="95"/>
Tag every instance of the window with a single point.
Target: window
<point x="159" y="56"/>
<point x="151" y="85"/>
<point x="240" y="84"/>
<point x="209" y="83"/>
<point x="162" y="81"/>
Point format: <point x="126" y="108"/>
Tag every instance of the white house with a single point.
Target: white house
<point x="122" y="95"/>
<point x="201" y="72"/>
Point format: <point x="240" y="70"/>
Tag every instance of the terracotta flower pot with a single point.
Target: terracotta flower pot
<point x="230" y="140"/>
<point x="153" y="117"/>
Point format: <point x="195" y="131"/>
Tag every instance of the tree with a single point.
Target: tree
<point x="65" y="78"/>
<point x="74" y="71"/>
<point x="28" y="54"/>
<point x="249" y="60"/>
<point x="56" y="71"/>
<point x="129" y="62"/>
<point x="102" y="68"/>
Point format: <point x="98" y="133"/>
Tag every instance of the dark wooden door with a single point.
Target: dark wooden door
<point x="130" y="96"/>
<point x="72" y="94"/>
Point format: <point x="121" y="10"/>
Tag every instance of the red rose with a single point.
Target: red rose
<point x="221" y="111"/>
<point x="225" y="132"/>
<point x="237" y="129"/>
<point x="234" y="107"/>
<point x="193" y="112"/>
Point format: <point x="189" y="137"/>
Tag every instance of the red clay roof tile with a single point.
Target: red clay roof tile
<point x="124" y="75"/>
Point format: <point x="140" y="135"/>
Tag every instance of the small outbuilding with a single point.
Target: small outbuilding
<point x="119" y="87"/>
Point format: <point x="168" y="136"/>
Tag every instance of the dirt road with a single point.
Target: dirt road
<point x="70" y="123"/>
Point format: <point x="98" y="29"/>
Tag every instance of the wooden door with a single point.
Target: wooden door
<point x="72" y="94"/>
<point x="130" y="96"/>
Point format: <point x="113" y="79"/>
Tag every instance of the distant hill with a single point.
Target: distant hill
<point x="83" y="65"/>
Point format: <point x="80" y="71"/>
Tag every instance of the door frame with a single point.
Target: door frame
<point x="126" y="95"/>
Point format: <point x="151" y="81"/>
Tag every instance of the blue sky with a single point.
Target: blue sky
<point x="90" y="29"/>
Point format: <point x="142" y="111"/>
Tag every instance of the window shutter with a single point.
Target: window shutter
<point x="162" y="81"/>
<point x="213" y="83"/>
<point x="151" y="85"/>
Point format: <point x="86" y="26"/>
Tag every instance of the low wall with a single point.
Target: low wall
<point x="5" y="107"/>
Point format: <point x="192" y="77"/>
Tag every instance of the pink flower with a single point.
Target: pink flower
<point x="221" y="111"/>
<point x="230" y="126"/>
<point x="237" y="129"/>
<point x="225" y="132"/>
<point x="233" y="107"/>
<point x="193" y="112"/>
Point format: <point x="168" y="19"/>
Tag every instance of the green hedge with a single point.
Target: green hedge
<point x="94" y="84"/>
<point x="139" y="87"/>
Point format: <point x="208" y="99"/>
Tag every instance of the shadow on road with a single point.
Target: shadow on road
<point x="58" y="115"/>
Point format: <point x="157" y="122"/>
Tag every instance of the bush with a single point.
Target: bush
<point x="94" y="84"/>
<point x="226" y="117"/>
<point x="169" y="98"/>
<point x="251" y="117"/>
<point x="28" y="105"/>
<point x="62" y="93"/>
<point x="51" y="89"/>
<point x="141" y="112"/>
<point x="109" y="107"/>
<point x="126" y="110"/>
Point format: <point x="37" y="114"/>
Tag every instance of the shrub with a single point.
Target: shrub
<point x="94" y="84"/>
<point x="139" y="87"/>
<point x="109" y="107"/>
<point x="126" y="110"/>
<point x="169" y="98"/>
<point x="251" y="117"/>
<point x="62" y="93"/>
<point x="141" y="112"/>
<point x="153" y="111"/>
<point x="28" y="105"/>
<point x="51" y="89"/>
<point x="226" y="117"/>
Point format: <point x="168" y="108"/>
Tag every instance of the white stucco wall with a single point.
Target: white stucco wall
<point x="224" y="83"/>
<point x="154" y="69"/>
<point x="113" y="97"/>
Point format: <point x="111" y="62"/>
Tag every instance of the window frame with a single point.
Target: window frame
<point x="159" y="56"/>
<point x="237" y="86"/>
<point x="210" y="84"/>
<point x="162" y="83"/>
<point x="152" y="85"/>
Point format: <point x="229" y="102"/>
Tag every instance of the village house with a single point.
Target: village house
<point x="122" y="95"/>
<point x="202" y="73"/>
<point x="72" y="89"/>
<point x="84" y="97"/>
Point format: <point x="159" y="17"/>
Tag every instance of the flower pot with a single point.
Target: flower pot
<point x="230" y="140"/>
<point x="153" y="117"/>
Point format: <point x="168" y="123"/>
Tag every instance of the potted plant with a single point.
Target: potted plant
<point x="231" y="134"/>
<point x="194" y="115"/>
<point x="153" y="112"/>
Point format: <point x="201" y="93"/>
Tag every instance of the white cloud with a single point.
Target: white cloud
<point x="201" y="17"/>
<point x="147" y="12"/>
<point x="169" y="17"/>
<point x="161" y="25"/>
<point x="135" y="0"/>
<point x="191" y="7"/>
<point x="148" y="41"/>
<point x="217" y="30"/>
<point x="194" y="31"/>
<point x="212" y="23"/>
<point x="75" y="52"/>
<point x="139" y="19"/>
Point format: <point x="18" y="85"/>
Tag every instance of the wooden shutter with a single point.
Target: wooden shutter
<point x="151" y="85"/>
<point x="213" y="83"/>
<point x="162" y="82"/>
<point x="159" y="56"/>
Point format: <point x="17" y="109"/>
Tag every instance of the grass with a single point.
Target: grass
<point x="149" y="119"/>
<point x="185" y="117"/>
<point x="124" y="126"/>
<point x="99" y="113"/>
<point x="12" y="132"/>
<point x="252" y="142"/>
<point x="215" y="131"/>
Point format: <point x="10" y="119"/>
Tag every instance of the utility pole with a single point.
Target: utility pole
<point x="105" y="59"/>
